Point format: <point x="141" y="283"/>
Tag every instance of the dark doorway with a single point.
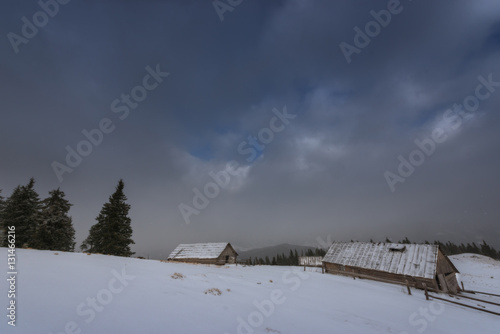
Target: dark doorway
<point x="227" y="258"/>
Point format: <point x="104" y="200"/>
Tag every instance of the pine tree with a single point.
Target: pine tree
<point x="90" y="244"/>
<point x="2" y="232"/>
<point x="112" y="234"/>
<point x="22" y="210"/>
<point x="55" y="231"/>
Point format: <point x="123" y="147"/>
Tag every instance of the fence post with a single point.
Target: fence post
<point x="408" y="287"/>
<point x="426" y="293"/>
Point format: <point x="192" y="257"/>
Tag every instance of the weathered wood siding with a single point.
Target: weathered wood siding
<point x="452" y="283"/>
<point x="444" y="265"/>
<point x="447" y="269"/>
<point x="230" y="253"/>
<point x="376" y="275"/>
<point x="201" y="261"/>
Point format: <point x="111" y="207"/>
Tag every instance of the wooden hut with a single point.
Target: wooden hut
<point x="311" y="261"/>
<point x="411" y="264"/>
<point x="206" y="253"/>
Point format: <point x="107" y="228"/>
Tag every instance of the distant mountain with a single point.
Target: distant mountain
<point x="271" y="251"/>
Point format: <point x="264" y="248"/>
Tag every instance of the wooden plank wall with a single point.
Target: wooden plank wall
<point x="443" y="266"/>
<point x="227" y="252"/>
<point x="416" y="282"/>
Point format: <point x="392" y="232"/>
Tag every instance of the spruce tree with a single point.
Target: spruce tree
<point x="22" y="210"/>
<point x="112" y="234"/>
<point x="90" y="244"/>
<point x="55" y="231"/>
<point x="3" y="233"/>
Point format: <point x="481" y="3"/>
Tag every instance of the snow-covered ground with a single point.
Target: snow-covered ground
<point x="478" y="272"/>
<point x="78" y="293"/>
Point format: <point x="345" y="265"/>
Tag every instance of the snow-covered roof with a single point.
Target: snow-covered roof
<point x="310" y="260"/>
<point x="198" y="251"/>
<point x="403" y="259"/>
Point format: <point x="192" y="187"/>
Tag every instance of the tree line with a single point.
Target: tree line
<point x="292" y="259"/>
<point x="46" y="225"/>
<point x="450" y="248"/>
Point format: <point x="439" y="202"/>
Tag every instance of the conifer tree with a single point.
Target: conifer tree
<point x="55" y="231"/>
<point x="112" y="234"/>
<point x="22" y="210"/>
<point x="3" y="233"/>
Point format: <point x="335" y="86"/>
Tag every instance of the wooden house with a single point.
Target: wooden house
<point x="206" y="253"/>
<point x="311" y="261"/>
<point x="411" y="264"/>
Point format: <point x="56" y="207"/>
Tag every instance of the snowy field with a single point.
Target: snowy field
<point x="79" y="293"/>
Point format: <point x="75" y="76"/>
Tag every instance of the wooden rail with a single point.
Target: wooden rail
<point x="469" y="306"/>
<point x="483" y="293"/>
<point x="477" y="299"/>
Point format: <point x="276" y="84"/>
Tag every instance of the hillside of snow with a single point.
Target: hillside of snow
<point x="478" y="272"/>
<point x="60" y="292"/>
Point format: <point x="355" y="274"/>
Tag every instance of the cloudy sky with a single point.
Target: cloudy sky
<point x="309" y="112"/>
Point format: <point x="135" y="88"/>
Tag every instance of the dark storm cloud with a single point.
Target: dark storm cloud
<point x="323" y="174"/>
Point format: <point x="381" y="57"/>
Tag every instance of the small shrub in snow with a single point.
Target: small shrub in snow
<point x="177" y="276"/>
<point x="213" y="291"/>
